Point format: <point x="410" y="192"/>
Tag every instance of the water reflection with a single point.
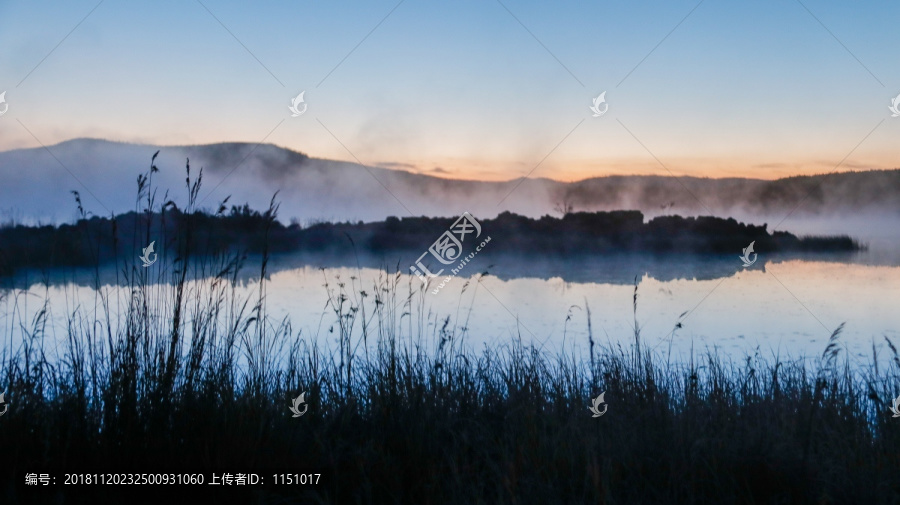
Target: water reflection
<point x="618" y="269"/>
<point x="783" y="304"/>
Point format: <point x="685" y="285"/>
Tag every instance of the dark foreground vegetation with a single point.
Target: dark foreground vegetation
<point x="401" y="417"/>
<point x="169" y="375"/>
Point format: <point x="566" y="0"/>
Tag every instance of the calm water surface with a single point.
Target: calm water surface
<point x="780" y="306"/>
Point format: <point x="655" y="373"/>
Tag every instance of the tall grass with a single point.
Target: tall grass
<point x="182" y="370"/>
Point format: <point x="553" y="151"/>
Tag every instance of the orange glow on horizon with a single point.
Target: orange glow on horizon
<point x="498" y="171"/>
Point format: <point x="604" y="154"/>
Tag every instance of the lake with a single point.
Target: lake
<point x="785" y="306"/>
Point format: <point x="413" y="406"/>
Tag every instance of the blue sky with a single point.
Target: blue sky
<point x="762" y="90"/>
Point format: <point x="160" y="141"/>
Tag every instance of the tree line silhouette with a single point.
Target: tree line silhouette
<point x="99" y="240"/>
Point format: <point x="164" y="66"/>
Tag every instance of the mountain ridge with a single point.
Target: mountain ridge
<point x="36" y="184"/>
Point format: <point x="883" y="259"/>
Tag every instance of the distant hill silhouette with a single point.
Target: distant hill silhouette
<point x="35" y="185"/>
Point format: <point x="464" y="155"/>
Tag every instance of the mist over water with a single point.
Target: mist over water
<point x="36" y="185"/>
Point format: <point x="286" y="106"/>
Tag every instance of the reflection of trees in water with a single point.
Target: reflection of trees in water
<point x="606" y="247"/>
<point x="606" y="269"/>
<point x="618" y="269"/>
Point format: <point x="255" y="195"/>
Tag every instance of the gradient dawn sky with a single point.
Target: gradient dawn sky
<point x="476" y="89"/>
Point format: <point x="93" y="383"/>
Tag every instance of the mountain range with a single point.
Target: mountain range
<point x="36" y="186"/>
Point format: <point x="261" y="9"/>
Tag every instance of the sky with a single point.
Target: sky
<point x="487" y="89"/>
